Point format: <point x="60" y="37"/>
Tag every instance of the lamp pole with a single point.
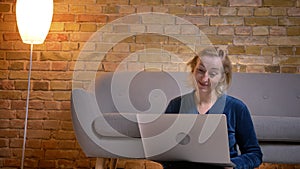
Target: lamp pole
<point x="27" y="107"/>
<point x="33" y="20"/>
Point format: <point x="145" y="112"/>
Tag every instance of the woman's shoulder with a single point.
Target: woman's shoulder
<point x="233" y="101"/>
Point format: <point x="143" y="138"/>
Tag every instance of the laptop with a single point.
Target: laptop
<point x="185" y="137"/>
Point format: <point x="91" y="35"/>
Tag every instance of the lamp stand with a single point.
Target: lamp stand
<point x="27" y="106"/>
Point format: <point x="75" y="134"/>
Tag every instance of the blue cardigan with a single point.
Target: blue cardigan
<point x="239" y="123"/>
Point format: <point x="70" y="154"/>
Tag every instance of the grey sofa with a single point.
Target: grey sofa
<point x="105" y="127"/>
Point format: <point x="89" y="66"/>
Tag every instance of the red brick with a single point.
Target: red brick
<point x="64" y="135"/>
<point x="7" y="85"/>
<point x="51" y="125"/>
<point x="277" y="30"/>
<point x="53" y="46"/>
<point x="4" y="142"/>
<point x="12" y="95"/>
<point x="112" y="9"/>
<point x="38" y="134"/>
<point x="226" y="21"/>
<point x="4" y="123"/>
<point x="67" y="144"/>
<point x="35" y="125"/>
<point x="59" y="115"/>
<point x="15" y="143"/>
<point x="289" y="21"/>
<point x="293" y="12"/>
<point x="20" y="56"/>
<point x="34" y="114"/>
<point x="92" y="18"/>
<point x="46" y="75"/>
<point x="61" y="163"/>
<point x="34" y="153"/>
<point x="67" y="125"/>
<point x="3" y="74"/>
<point x="5" y="7"/>
<point x="61" y="154"/>
<point x="15" y="65"/>
<point x="59" y="66"/>
<point x="31" y="163"/>
<point x="61" y="95"/>
<point x="212" y="3"/>
<point x="3" y="65"/>
<point x="285" y="41"/>
<point x="5" y="104"/>
<point x="18" y="75"/>
<point x="6" y="45"/>
<point x="36" y="104"/>
<point x="65" y="105"/>
<point x="63" y="18"/>
<point x="47" y="163"/>
<point x="288" y="69"/>
<point x="9" y="18"/>
<point x="285" y="3"/>
<point x="5" y="153"/>
<point x="40" y="86"/>
<point x="50" y="144"/>
<point x="11" y="37"/>
<point x="18" y="105"/>
<point x="9" y="133"/>
<point x="7" y="114"/>
<point x="245" y="3"/>
<point x="38" y="65"/>
<point x="261" y="21"/>
<point x="17" y="123"/>
<point x="80" y="37"/>
<point x="211" y="11"/>
<point x="293" y="31"/>
<point x="52" y="105"/>
<point x="12" y="162"/>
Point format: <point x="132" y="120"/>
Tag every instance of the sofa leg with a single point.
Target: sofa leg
<point x="113" y="163"/>
<point x="100" y="163"/>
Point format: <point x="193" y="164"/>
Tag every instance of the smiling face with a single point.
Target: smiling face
<point x="208" y="74"/>
<point x="211" y="71"/>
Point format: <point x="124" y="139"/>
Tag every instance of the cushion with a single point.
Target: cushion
<point x="281" y="129"/>
<point x="117" y="125"/>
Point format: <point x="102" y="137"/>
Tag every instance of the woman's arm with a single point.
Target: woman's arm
<point x="251" y="155"/>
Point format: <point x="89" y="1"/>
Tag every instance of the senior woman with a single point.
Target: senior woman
<point x="211" y="76"/>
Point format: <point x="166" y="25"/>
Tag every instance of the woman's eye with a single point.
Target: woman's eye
<point x="202" y="71"/>
<point x="213" y="74"/>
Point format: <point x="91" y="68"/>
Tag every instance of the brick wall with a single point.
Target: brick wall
<point x="260" y="36"/>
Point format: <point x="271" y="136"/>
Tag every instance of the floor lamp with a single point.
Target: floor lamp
<point x="33" y="20"/>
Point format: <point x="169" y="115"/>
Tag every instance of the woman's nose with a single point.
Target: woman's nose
<point x="205" y="77"/>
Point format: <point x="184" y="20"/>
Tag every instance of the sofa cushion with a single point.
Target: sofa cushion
<point x="281" y="129"/>
<point x="117" y="125"/>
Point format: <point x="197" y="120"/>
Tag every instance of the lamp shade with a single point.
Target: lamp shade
<point x="34" y="19"/>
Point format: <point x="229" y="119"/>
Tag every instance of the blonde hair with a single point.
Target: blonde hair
<point x="226" y="63"/>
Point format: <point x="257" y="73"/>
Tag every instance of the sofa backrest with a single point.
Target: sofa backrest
<point x="268" y="94"/>
<point x="265" y="94"/>
<point x="135" y="92"/>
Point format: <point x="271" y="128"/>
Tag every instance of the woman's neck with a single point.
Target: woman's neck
<point x="205" y="101"/>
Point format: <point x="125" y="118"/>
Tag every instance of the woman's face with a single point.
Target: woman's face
<point x="208" y="74"/>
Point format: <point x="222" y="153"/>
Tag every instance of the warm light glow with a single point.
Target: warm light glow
<point x="34" y="19"/>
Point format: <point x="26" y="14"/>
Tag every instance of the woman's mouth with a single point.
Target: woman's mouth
<point x="204" y="84"/>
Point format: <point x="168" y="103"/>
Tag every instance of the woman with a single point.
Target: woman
<point x="211" y="74"/>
